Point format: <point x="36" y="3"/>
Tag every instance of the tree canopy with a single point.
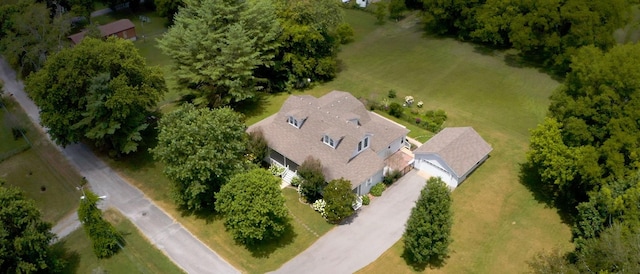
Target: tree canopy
<point x="595" y="137"/>
<point x="309" y="42"/>
<point x="202" y="149"/>
<point x="106" y="240"/>
<point x="168" y="8"/>
<point x="217" y="45"/>
<point x="547" y="31"/>
<point x="254" y="207"/>
<point x="586" y="156"/>
<point x="24" y="236"/>
<point x="313" y="180"/>
<point x="428" y="230"/>
<point x="100" y="91"/>
<point x="339" y="199"/>
<point x="30" y="35"/>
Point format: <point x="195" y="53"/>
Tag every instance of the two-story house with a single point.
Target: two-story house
<point x="350" y="141"/>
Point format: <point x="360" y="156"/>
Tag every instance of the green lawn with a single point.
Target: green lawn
<point x="9" y="145"/>
<point x="138" y="255"/>
<point x="41" y="166"/>
<point x="495" y="216"/>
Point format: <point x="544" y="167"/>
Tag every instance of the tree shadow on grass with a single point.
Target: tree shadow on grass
<point x="71" y="258"/>
<point x="543" y="193"/>
<point x="518" y="61"/>
<point x="266" y="248"/>
<point x="420" y="267"/>
<point x="254" y="107"/>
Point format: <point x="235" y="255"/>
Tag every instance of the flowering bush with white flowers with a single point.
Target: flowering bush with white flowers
<point x="408" y="100"/>
<point x="276" y="170"/>
<point x="420" y="104"/>
<point x="319" y="205"/>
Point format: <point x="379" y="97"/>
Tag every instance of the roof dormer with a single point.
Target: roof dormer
<point x="294" y="122"/>
<point x="364" y="143"/>
<point x="296" y="118"/>
<point x="329" y="141"/>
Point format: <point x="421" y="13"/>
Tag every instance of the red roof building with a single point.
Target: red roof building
<point x="122" y="28"/>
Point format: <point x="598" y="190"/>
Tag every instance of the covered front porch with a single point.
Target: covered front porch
<point x="290" y="168"/>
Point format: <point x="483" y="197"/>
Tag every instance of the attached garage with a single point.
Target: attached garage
<point x="452" y="154"/>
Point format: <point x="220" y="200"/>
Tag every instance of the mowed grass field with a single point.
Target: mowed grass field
<point x="138" y="255"/>
<point x="40" y="167"/>
<point x="498" y="224"/>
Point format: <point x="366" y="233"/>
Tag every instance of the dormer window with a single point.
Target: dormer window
<point x="364" y="144"/>
<point x="294" y="122"/>
<point x="328" y="141"/>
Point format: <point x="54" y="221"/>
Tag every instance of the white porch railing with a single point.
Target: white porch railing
<point x="358" y="204"/>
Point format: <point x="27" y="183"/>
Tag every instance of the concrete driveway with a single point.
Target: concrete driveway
<point x="352" y="246"/>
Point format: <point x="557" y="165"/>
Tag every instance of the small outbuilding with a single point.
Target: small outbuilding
<point x="452" y="154"/>
<point x="122" y="28"/>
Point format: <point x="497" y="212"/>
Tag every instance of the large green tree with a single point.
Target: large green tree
<point x="597" y="110"/>
<point x="24" y="237"/>
<point x="615" y="202"/>
<point x="201" y="149"/>
<point x="106" y="240"/>
<point x="451" y="16"/>
<point x="32" y="35"/>
<point x="310" y="42"/>
<point x="339" y="199"/>
<point x="428" y="230"/>
<point x="217" y="45"/>
<point x="254" y="207"/>
<point x="168" y="8"/>
<point x="99" y="91"/>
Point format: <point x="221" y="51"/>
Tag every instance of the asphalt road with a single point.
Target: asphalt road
<point x="162" y="230"/>
<point x="352" y="246"/>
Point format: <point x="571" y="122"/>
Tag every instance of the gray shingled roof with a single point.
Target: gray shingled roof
<point x="105" y="30"/>
<point x="329" y="115"/>
<point x="460" y="147"/>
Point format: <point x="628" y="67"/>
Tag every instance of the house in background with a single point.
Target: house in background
<point x="452" y="154"/>
<point x="122" y="28"/>
<point x="350" y="141"/>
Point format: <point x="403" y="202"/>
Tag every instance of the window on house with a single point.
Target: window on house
<point x="364" y="144"/>
<point x="327" y="140"/>
<point x="292" y="121"/>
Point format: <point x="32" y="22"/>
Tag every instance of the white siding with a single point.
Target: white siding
<point x="434" y="166"/>
<point x="366" y="186"/>
<point x="391" y="148"/>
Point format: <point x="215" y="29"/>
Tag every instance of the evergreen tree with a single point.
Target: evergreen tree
<point x="217" y="45"/>
<point x="428" y="230"/>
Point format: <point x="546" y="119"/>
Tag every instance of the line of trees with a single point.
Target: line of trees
<point x="548" y="31"/>
<point x="585" y="158"/>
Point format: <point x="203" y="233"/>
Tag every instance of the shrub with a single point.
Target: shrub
<point x="339" y="200"/>
<point x="387" y="180"/>
<point x="366" y="200"/>
<point x="313" y="180"/>
<point x="395" y="110"/>
<point x="377" y="190"/>
<point x="420" y="104"/>
<point x="345" y="33"/>
<point x="395" y="174"/>
<point x="418" y="120"/>
<point x="380" y="12"/>
<point x="257" y="146"/>
<point x="276" y="170"/>
<point x="319" y="206"/>
<point x="296" y="181"/>
<point x="391" y="94"/>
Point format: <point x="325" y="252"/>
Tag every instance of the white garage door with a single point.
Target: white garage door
<point x="435" y="171"/>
